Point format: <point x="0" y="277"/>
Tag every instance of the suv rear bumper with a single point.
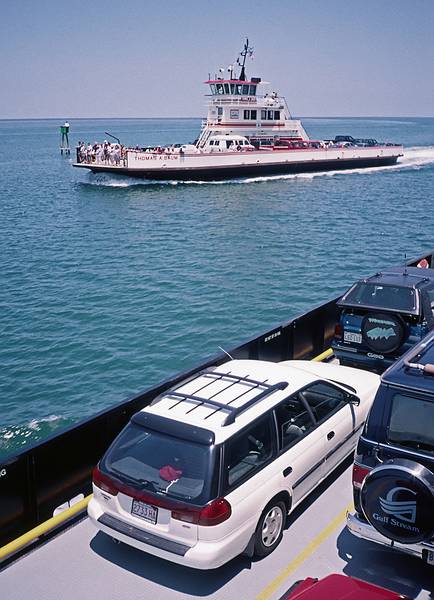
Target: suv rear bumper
<point x="362" y="529"/>
<point x="361" y="359"/>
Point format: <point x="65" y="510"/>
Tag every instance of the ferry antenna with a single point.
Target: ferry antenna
<point x="245" y="51"/>
<point x="227" y="353"/>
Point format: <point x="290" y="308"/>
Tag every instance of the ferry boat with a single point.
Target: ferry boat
<point x="245" y="134"/>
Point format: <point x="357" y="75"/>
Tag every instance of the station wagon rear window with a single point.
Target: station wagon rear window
<point x="411" y="423"/>
<point x="382" y="296"/>
<point x="162" y="464"/>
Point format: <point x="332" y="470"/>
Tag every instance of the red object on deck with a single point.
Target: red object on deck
<point x="340" y="587"/>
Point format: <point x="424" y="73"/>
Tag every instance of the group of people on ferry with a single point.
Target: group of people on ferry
<point x="105" y="153"/>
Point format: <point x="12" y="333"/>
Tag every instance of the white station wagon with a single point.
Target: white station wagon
<point x="213" y="466"/>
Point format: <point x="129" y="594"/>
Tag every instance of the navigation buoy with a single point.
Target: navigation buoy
<point x="64" y="142"/>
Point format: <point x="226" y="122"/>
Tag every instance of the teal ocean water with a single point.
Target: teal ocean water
<point x="109" y="285"/>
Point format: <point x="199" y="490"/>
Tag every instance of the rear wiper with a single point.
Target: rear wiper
<point x="143" y="482"/>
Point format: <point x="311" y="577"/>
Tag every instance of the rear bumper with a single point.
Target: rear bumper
<point x="362" y="360"/>
<point x="204" y="555"/>
<point x="362" y="529"/>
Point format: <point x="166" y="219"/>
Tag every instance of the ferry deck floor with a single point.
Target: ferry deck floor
<point x="81" y="564"/>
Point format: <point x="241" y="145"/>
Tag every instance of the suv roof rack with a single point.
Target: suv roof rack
<point x="420" y="278"/>
<point x="234" y="411"/>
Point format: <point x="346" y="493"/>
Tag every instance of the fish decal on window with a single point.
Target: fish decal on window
<point x="379" y="333"/>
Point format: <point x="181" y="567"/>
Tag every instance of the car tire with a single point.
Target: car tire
<point x="397" y="498"/>
<point x="269" y="530"/>
<point x="383" y="333"/>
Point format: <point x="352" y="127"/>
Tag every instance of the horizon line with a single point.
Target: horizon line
<point x="201" y="118"/>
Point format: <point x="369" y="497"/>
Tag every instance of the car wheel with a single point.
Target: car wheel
<point x="270" y="528"/>
<point x="383" y="333"/>
<point x="397" y="499"/>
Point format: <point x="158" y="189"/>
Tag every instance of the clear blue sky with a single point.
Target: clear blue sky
<point x="142" y="58"/>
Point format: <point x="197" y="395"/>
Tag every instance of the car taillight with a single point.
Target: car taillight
<point x="103" y="482"/>
<point x="213" y="513"/>
<point x="338" y="330"/>
<point x="359" y="474"/>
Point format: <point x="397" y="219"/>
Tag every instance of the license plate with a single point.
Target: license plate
<point x="430" y="557"/>
<point x="349" y="336"/>
<point x="145" y="511"/>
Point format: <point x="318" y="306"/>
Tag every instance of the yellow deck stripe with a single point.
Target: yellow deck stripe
<point x="303" y="555"/>
<point x="43" y="528"/>
<point x="323" y="355"/>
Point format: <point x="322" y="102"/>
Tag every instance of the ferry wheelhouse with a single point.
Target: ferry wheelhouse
<point x="245" y="134"/>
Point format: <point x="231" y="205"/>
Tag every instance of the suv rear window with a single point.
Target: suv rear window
<point x="382" y="296"/>
<point x="411" y="423"/>
<point x="156" y="462"/>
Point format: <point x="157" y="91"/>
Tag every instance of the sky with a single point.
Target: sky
<point x="142" y="58"/>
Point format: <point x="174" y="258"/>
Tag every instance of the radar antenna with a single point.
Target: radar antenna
<point x="246" y="51"/>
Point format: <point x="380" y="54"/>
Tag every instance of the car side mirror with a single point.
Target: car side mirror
<point x="352" y="399"/>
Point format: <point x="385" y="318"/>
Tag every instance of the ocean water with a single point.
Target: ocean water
<point x="108" y="285"/>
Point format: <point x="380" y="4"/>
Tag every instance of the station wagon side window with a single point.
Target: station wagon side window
<point x="324" y="399"/>
<point x="293" y="420"/>
<point x="249" y="450"/>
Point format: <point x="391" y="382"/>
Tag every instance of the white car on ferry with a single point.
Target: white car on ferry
<point x="211" y="469"/>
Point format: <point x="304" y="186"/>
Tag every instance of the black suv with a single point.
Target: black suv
<point x="383" y="316"/>
<point x="393" y="473"/>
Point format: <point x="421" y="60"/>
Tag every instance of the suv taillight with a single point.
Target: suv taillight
<point x="213" y="513"/>
<point x="338" y="330"/>
<point x="359" y="474"/>
<point x="103" y="482"/>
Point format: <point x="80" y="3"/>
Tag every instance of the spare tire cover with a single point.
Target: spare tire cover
<point x="382" y="332"/>
<point x="397" y="498"/>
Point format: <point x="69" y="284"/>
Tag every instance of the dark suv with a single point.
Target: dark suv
<point x="383" y="316"/>
<point x="393" y="473"/>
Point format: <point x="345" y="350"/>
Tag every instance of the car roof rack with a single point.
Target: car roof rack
<point x="420" y="278"/>
<point x="234" y="411"/>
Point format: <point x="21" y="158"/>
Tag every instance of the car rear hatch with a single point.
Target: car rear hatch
<point x="160" y="480"/>
<point x="380" y="318"/>
<point x="380" y="332"/>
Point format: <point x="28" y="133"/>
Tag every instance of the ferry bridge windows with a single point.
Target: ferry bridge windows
<point x="250" y="115"/>
<point x="227" y="88"/>
<point x="252" y="90"/>
<point x="270" y="115"/>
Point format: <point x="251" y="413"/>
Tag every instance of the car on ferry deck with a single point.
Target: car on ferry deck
<point x="393" y="473"/>
<point x="383" y="316"/>
<point x="339" y="587"/>
<point x="211" y="469"/>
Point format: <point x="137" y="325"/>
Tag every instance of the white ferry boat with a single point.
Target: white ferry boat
<point x="246" y="134"/>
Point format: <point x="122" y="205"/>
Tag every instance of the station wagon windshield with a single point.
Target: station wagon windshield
<point x="155" y="462"/>
<point x="411" y="423"/>
<point x="382" y="296"/>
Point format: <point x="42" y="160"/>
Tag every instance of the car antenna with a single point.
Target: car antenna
<point x="227" y="353"/>
<point x="405" y="264"/>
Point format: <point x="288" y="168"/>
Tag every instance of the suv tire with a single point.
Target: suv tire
<point x="269" y="530"/>
<point x="397" y="498"/>
<point x="382" y="332"/>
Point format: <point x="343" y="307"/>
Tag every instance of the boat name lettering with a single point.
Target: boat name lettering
<point x="157" y="157"/>
<point x="272" y="336"/>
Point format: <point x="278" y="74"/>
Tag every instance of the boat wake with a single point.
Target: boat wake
<point x="414" y="158"/>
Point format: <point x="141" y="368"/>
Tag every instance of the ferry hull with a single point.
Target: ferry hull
<point x="215" y="173"/>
